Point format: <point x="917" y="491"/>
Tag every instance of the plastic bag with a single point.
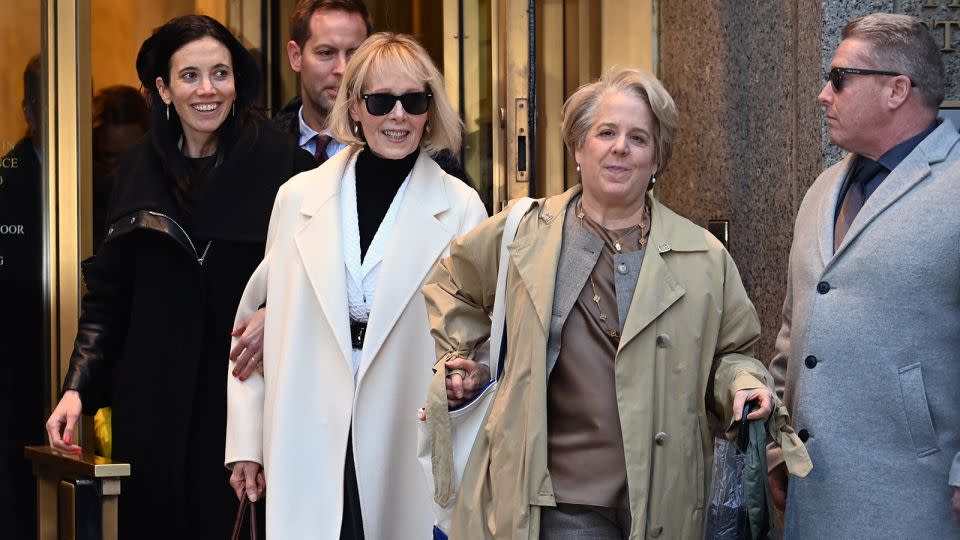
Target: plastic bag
<point x="726" y="516"/>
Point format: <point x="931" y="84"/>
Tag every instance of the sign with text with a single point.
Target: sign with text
<point x="942" y="17"/>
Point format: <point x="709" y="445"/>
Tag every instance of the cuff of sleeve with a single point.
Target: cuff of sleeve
<point x="774" y="457"/>
<point x="745" y="381"/>
<point x="450" y="355"/>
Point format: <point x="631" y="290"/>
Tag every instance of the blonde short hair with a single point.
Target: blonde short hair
<point x="383" y="52"/>
<point x="903" y="44"/>
<point x="579" y="111"/>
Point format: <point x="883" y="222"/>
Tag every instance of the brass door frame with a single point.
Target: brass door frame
<point x="511" y="82"/>
<point x="66" y="40"/>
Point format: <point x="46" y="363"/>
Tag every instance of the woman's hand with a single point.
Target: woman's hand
<point x="63" y="420"/>
<point x="763" y="395"/>
<point x="465" y="384"/>
<point x="247" y="477"/>
<point x="248" y="353"/>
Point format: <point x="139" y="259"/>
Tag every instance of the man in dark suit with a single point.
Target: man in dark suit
<point x="324" y="35"/>
<point x="868" y="355"/>
<point x="22" y="333"/>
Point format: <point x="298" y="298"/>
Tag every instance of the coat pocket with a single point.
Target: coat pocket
<point x="915" y="406"/>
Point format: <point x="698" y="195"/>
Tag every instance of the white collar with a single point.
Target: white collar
<point x="306" y="132"/>
<point x="351" y="224"/>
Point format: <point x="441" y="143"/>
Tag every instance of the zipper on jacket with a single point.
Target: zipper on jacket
<point x="185" y="235"/>
<point x="205" y="251"/>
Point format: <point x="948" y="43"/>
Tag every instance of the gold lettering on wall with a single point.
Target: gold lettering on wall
<point x="947" y="34"/>
<point x="9" y="163"/>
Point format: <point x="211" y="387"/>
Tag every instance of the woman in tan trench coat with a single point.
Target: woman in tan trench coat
<point x="629" y="341"/>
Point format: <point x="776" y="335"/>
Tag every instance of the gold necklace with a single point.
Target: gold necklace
<point x="612" y="332"/>
<point x="642" y="241"/>
<point x="644" y="226"/>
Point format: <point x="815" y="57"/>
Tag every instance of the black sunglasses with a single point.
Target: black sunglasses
<point x="381" y="104"/>
<point x="835" y="75"/>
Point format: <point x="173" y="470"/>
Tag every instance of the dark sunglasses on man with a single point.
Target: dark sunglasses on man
<point x="836" y="75"/>
<point x="382" y="103"/>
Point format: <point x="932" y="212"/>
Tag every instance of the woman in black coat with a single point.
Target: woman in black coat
<point x="188" y="224"/>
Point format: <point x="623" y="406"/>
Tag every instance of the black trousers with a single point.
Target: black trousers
<point x="352" y="526"/>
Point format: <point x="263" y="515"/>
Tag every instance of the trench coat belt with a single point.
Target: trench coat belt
<point x="358" y="330"/>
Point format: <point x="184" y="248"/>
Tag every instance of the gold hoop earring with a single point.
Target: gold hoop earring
<point x="168" y="112"/>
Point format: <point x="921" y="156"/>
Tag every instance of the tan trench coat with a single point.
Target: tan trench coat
<point x="686" y="349"/>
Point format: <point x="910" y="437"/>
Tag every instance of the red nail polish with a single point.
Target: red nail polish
<point x="235" y="373"/>
<point x="242" y="379"/>
<point x="66" y="439"/>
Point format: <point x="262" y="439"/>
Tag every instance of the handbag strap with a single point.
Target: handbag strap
<point x="238" y="524"/>
<point x="497" y="321"/>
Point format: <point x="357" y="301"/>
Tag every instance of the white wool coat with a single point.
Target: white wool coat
<point x="295" y="419"/>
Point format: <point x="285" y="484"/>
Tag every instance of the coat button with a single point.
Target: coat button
<point x="622" y="268"/>
<point x="132" y="220"/>
<point x="823" y="287"/>
<point x="804" y="435"/>
<point x="660" y="438"/>
<point x="663" y="341"/>
<point x="656" y="531"/>
<point x="811" y="361"/>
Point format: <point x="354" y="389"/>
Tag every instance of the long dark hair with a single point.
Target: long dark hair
<point x="153" y="61"/>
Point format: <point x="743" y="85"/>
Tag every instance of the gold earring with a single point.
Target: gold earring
<point x="356" y="128"/>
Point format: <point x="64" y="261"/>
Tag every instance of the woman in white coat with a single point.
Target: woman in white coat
<point x="347" y="359"/>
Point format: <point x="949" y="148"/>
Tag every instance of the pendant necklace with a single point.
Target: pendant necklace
<point x="642" y="241"/>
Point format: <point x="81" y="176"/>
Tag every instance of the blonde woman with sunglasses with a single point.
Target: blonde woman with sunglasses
<point x="329" y="423"/>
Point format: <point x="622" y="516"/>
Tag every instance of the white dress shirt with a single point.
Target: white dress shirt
<point x="308" y="143"/>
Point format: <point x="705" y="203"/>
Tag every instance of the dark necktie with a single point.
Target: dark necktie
<point x="853" y="200"/>
<point x="322" y="142"/>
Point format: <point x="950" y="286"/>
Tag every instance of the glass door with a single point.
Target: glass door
<point x="27" y="153"/>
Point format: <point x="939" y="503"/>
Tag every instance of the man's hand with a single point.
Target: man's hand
<point x="778" y="479"/>
<point x="763" y="395"/>
<point x="248" y="353"/>
<point x="63" y="420"/>
<point x="462" y="388"/>
<point x="248" y="478"/>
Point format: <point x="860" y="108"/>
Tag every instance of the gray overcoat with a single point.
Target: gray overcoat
<point x="868" y="357"/>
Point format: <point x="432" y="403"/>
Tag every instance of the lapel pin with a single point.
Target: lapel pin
<point x="663" y="248"/>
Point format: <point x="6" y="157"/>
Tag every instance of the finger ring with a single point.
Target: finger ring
<point x="461" y="372"/>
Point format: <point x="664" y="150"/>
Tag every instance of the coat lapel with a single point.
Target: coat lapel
<point x="657" y="287"/>
<point x="537" y="255"/>
<point x="320" y="244"/>
<point x="417" y="241"/>
<point x="827" y="212"/>
<point x="910" y="172"/>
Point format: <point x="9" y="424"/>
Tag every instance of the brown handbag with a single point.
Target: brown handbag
<point x="238" y="525"/>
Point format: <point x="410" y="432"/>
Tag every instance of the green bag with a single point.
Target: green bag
<point x="741" y="507"/>
<point x="757" y="500"/>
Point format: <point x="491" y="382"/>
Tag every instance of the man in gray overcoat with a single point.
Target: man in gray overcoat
<point x="868" y="357"/>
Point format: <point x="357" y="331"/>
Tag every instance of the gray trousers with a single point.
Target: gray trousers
<point x="580" y="522"/>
